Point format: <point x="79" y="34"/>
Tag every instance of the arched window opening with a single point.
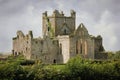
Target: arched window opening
<point x="76" y="47"/>
<point x="65" y="31"/>
<point x="85" y="48"/>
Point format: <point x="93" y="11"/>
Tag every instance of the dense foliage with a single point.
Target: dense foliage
<point x="114" y="55"/>
<point x="17" y="68"/>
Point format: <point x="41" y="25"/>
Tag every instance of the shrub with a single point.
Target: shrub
<point x="27" y="62"/>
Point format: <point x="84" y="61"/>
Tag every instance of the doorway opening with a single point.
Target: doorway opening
<point x="54" y="61"/>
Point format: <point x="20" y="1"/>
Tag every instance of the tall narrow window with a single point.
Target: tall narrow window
<point x="65" y="32"/>
<point x="76" y="47"/>
<point x="60" y="48"/>
<point x="85" y="48"/>
<point x="81" y="48"/>
<point x="48" y="28"/>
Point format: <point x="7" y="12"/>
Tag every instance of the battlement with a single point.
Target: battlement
<point x="20" y="34"/>
<point x="57" y="13"/>
<point x="58" y="23"/>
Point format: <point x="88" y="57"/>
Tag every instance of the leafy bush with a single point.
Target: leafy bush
<point x="27" y="62"/>
<point x="94" y="70"/>
<point x="76" y="69"/>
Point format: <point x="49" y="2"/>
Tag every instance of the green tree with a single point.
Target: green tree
<point x="117" y="55"/>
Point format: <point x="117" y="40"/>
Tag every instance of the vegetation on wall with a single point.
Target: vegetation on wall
<point x="49" y="27"/>
<point x="17" y="68"/>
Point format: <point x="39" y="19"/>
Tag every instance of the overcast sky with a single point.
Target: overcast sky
<point x="99" y="16"/>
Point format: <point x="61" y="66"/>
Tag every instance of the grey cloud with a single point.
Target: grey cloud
<point x="10" y="7"/>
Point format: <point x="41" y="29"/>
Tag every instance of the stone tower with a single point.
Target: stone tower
<point x="58" y="24"/>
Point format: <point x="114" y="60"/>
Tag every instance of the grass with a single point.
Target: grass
<point x="55" y="66"/>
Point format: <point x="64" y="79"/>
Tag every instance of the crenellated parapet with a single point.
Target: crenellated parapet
<point x="58" y="24"/>
<point x="57" y="13"/>
<point x="73" y="13"/>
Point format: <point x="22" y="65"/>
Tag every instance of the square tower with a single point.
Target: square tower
<point x="58" y="24"/>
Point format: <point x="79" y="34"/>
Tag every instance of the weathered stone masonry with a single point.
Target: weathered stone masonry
<point x="60" y="42"/>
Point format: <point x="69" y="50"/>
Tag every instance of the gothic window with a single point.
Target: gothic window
<point x="85" y="47"/>
<point x="81" y="48"/>
<point x="65" y="31"/>
<point x="76" y="47"/>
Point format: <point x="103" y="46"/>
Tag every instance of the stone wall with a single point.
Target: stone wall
<point x="64" y="41"/>
<point x="22" y="44"/>
<point x="46" y="50"/>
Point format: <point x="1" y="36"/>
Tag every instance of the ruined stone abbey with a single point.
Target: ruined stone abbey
<point x="61" y="40"/>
